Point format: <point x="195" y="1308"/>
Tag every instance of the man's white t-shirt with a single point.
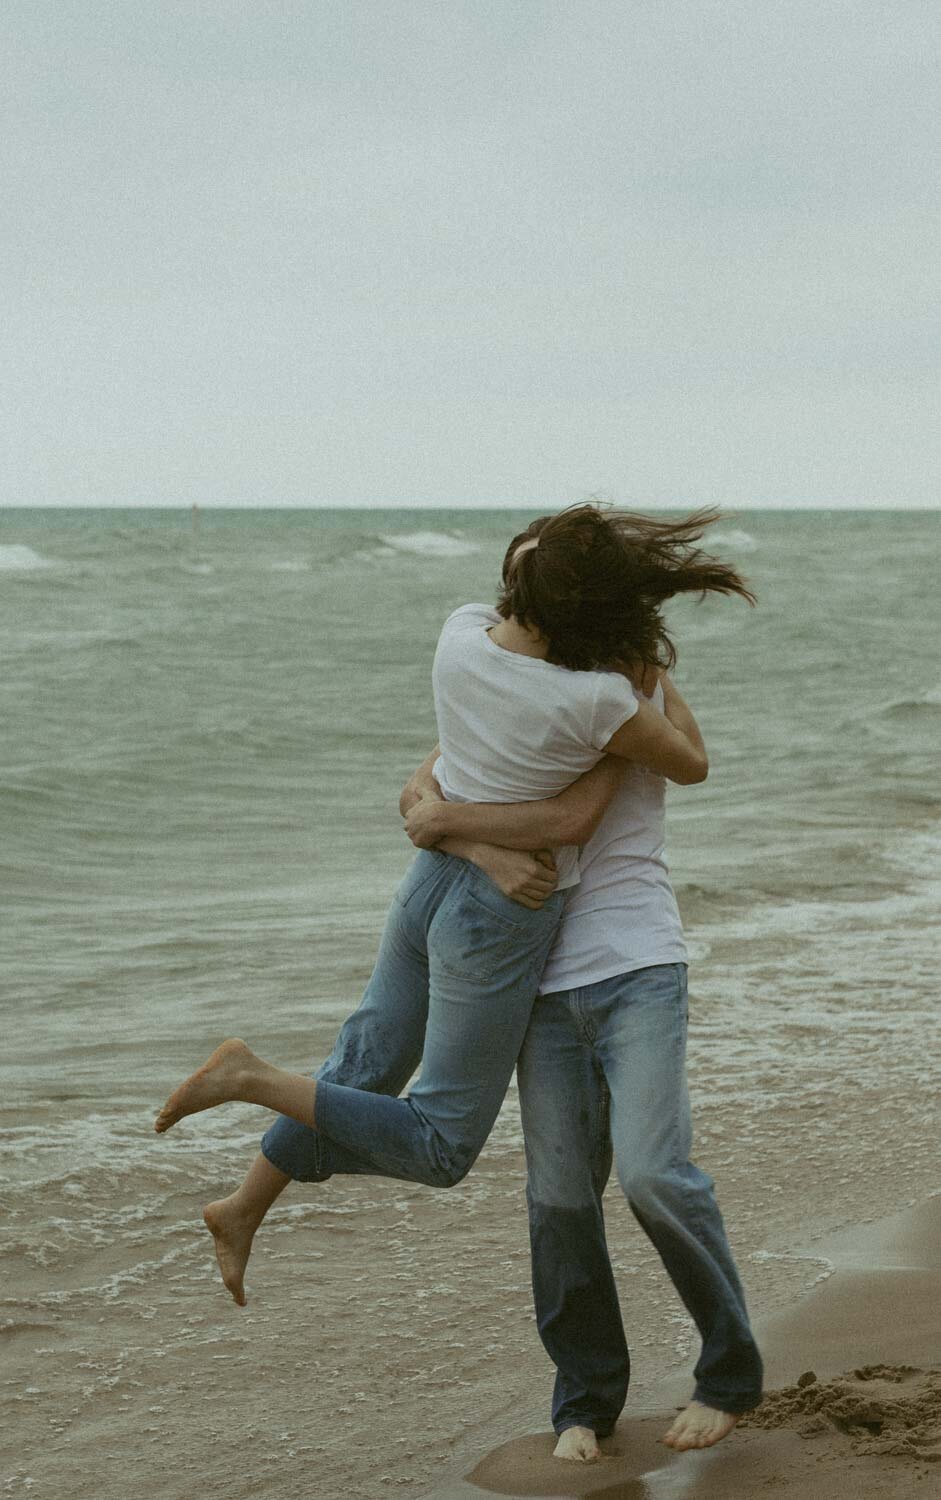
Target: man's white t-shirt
<point x="515" y="728"/>
<point x="622" y="915"/>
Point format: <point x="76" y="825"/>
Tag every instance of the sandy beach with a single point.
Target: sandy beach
<point x="389" y="1347"/>
<point x="853" y="1404"/>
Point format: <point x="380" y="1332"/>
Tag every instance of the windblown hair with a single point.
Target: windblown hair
<point x="594" y="584"/>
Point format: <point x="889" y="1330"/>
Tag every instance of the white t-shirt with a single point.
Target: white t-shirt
<point x="622" y="915"/>
<point x="515" y="728"/>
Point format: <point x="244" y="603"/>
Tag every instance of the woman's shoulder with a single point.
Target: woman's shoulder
<point x="460" y="622"/>
<point x="467" y="615"/>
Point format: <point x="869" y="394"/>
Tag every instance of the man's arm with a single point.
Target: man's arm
<point x="529" y="879"/>
<point x="569" y="818"/>
<point x="526" y="877"/>
<point x="668" y="743"/>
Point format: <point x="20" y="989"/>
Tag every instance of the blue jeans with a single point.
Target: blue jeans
<point x="602" y="1071"/>
<point x="453" y="988"/>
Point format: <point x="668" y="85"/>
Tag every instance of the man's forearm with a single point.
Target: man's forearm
<point x="569" y="818"/>
<point x="469" y="849"/>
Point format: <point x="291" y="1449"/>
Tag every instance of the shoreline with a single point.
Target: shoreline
<point x="870" y="1324"/>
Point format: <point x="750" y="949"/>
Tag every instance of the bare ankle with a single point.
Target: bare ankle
<point x="250" y="1081"/>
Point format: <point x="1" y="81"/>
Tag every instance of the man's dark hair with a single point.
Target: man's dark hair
<point x="594" y="584"/>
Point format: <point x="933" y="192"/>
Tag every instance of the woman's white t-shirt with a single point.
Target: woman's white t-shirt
<point x="515" y="728"/>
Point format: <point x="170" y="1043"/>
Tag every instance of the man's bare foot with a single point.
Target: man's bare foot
<point x="578" y="1444"/>
<point x="221" y="1078"/>
<point x="699" y="1426"/>
<point x="232" y="1235"/>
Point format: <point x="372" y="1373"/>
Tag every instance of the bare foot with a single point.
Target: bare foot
<point x="578" y="1444"/>
<point x="699" y="1426"/>
<point x="232" y="1234"/>
<point x="221" y="1078"/>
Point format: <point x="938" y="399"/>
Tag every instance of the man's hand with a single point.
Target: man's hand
<point x="420" y="785"/>
<point x="426" y="821"/>
<point x="528" y="879"/>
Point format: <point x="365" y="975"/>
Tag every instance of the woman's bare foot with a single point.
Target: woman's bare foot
<point x="578" y="1444"/>
<point x="221" y="1078"/>
<point x="699" y="1426"/>
<point x="232" y="1234"/>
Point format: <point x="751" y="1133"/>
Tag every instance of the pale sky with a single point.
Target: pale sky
<point x="459" y="252"/>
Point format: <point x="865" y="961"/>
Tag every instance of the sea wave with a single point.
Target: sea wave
<point x="16" y="557"/>
<point x="924" y="708"/>
<point x="738" y="540"/>
<point x="429" y="543"/>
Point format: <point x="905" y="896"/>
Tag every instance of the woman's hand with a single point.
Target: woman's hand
<point x="642" y="675"/>
<point x="528" y="879"/>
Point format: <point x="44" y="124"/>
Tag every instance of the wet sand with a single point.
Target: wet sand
<point x="853" y="1406"/>
<point x="389" y="1344"/>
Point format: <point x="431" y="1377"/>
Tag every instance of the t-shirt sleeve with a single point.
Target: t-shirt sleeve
<point x="469" y="617"/>
<point x="615" y="703"/>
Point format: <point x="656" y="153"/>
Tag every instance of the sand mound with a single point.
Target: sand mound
<point x="888" y="1409"/>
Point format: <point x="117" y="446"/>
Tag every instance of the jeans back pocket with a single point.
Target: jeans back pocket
<point x="472" y="941"/>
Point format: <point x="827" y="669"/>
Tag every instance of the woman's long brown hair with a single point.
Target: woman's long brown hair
<point x="594" y="584"/>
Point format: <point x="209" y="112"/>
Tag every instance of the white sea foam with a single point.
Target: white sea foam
<point x="18" y="558"/>
<point x="430" y="543"/>
<point x="291" y="565"/>
<point x="738" y="540"/>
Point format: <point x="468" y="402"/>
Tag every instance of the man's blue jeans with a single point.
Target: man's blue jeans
<point x="453" y="988"/>
<point x="602" y="1070"/>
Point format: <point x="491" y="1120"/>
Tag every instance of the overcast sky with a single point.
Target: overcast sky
<point x="470" y="252"/>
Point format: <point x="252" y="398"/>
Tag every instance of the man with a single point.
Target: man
<point x="601" y="1075"/>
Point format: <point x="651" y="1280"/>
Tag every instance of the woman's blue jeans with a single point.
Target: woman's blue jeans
<point x="453" y="988"/>
<point x="601" y="1072"/>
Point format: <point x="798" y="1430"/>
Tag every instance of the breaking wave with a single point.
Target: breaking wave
<point x="17" y="558"/>
<point x="738" y="540"/>
<point x="430" y="543"/>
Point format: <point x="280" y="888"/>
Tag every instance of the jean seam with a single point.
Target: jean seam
<point x="604" y="1118"/>
<point x="679" y="1158"/>
<point x="419" y="885"/>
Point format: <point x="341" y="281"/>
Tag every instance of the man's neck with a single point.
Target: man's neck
<point x="512" y="635"/>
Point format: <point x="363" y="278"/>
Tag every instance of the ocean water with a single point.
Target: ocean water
<point x="203" y="734"/>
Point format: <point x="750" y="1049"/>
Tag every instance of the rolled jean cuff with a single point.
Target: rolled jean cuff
<point x="736" y="1404"/>
<point x="295" y="1150"/>
<point x="352" y="1132"/>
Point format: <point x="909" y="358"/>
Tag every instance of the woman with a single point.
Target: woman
<point x="524" y="706"/>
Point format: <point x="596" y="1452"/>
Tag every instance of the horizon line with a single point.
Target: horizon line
<point x="259" y="505"/>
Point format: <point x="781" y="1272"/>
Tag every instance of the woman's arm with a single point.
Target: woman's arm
<point x="680" y="715"/>
<point x="571" y="817"/>
<point x="668" y="743"/>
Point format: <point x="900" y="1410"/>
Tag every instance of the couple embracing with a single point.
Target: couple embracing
<point x="536" y="928"/>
